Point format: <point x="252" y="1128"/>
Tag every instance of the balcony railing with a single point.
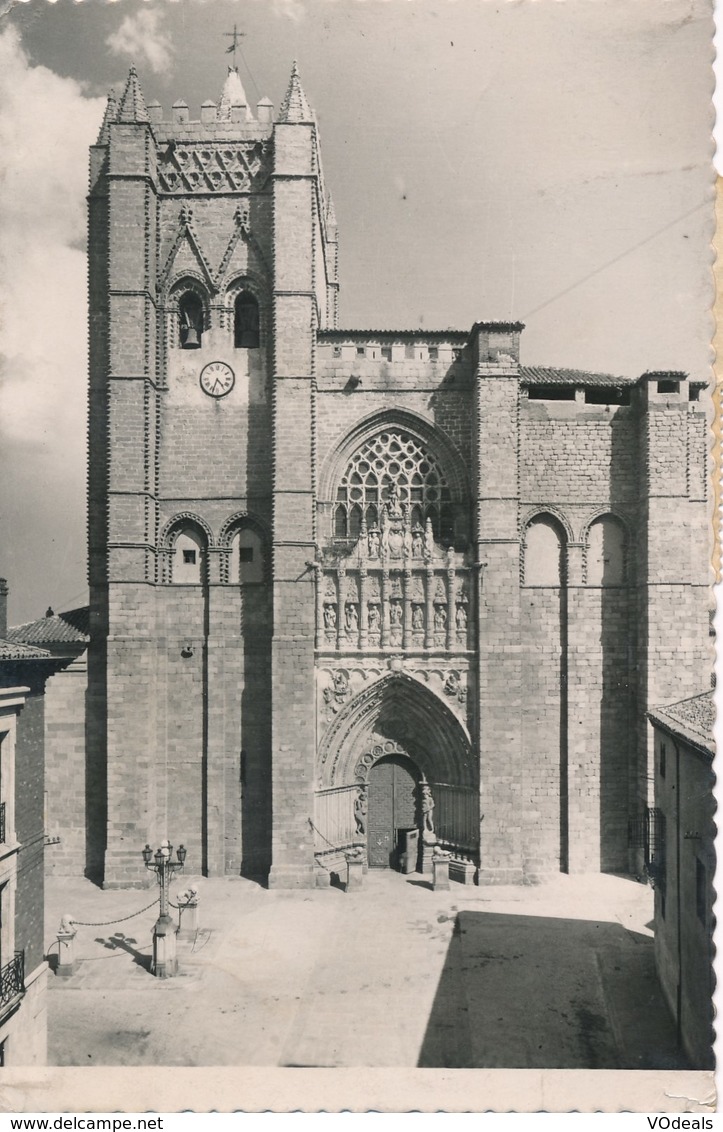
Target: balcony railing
<point x="12" y="981"/>
<point x="2" y="823"/>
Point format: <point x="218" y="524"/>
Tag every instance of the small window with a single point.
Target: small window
<point x="663" y="753"/>
<point x="387" y="353"/>
<point x="551" y="393"/>
<point x="361" y="351"/>
<point x="246" y="322"/>
<point x="694" y="393"/>
<point x="337" y="351"/>
<point x="189" y="557"/>
<point x="245" y="554"/>
<point x="604" y="395"/>
<point x="433" y="353"/>
<point x="409" y="351"/>
<point x="190" y="311"/>
<point x="668" y="386"/>
<point x="701" y="891"/>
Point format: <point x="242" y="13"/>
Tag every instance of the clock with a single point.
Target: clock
<point x="217" y="379"/>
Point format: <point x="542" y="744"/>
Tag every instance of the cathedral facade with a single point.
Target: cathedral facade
<point x="382" y="592"/>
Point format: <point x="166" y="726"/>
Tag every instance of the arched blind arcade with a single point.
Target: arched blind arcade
<point x="393" y="457"/>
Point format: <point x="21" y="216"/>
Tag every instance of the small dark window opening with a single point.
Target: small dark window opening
<point x="189" y="557"/>
<point x="361" y="351"/>
<point x="668" y="386"/>
<point x="602" y="395"/>
<point x="701" y="893"/>
<point x="337" y="351"/>
<point x="246" y="322"/>
<point x="662" y="760"/>
<point x="551" y="393"/>
<point x="433" y="353"/>
<point x="190" y="310"/>
<point x="387" y="353"/>
<point x="694" y="393"/>
<point x="245" y="554"/>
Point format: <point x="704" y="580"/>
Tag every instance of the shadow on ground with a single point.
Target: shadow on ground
<point x="533" y="992"/>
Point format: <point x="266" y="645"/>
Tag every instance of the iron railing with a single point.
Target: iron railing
<point x="2" y="823"/>
<point x="12" y="980"/>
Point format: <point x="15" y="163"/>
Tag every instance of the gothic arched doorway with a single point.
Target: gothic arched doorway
<point x="392" y="810"/>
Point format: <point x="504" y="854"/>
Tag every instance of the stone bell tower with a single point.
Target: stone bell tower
<point x="212" y="267"/>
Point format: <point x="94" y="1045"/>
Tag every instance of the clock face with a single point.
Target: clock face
<point x="217" y="379"/>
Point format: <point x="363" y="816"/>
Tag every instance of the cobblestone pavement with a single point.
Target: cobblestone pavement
<point x="556" y="976"/>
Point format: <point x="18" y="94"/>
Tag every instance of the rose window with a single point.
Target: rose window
<point x="393" y="458"/>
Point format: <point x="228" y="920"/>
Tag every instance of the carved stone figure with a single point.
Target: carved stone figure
<point x="426" y="802"/>
<point x="373" y="618"/>
<point x="461" y="617"/>
<point x="341" y="684"/>
<point x="352" y="618"/>
<point x="451" y="684"/>
<point x="428" y="539"/>
<point x="440" y="618"/>
<point x="395" y="615"/>
<point x="373" y="542"/>
<point x="360" y="811"/>
<point x="330" y="616"/>
<point x="417" y="543"/>
<point x="417" y="617"/>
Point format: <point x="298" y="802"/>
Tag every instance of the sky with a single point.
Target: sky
<point x="529" y="159"/>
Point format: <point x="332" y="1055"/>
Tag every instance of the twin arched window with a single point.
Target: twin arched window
<point x="189" y="555"/>
<point x="192" y="320"/>
<point x="543" y="549"/>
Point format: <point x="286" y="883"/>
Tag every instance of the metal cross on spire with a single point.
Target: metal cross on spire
<point x="235" y="36"/>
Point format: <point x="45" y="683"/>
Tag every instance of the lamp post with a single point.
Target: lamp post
<point x="165" y="963"/>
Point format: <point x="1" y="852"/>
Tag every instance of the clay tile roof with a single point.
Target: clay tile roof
<point x="295" y="107"/>
<point x="70" y="627"/>
<point x="12" y="650"/>
<point x="132" y="106"/>
<point x="691" y="720"/>
<point x="553" y="375"/>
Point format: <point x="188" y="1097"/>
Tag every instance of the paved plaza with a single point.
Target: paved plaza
<point x="555" y="976"/>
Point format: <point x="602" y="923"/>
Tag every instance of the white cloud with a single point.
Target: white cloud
<point x="141" y="38"/>
<point x="46" y="126"/>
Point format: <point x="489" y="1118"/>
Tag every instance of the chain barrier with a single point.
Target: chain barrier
<point x="107" y="923"/>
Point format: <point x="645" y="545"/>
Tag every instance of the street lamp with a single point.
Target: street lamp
<point x="165" y="963"/>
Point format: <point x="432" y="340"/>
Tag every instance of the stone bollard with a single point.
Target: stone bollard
<point x="188" y="914"/>
<point x="66" y="947"/>
<point x="440" y="870"/>
<point x="354" y="869"/>
<point x="164" y="964"/>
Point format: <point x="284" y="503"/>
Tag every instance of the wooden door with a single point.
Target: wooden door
<point x="391" y="809"/>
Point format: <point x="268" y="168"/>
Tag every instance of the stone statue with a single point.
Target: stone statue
<point x="373" y="618"/>
<point x="428" y="539"/>
<point x="427" y="806"/>
<point x="373" y="543"/>
<point x="440" y="618"/>
<point x="461" y="617"/>
<point x="67" y="924"/>
<point x="417" y="543"/>
<point x="360" y="811"/>
<point x="417" y="617"/>
<point x="395" y="615"/>
<point x="352" y="618"/>
<point x="330" y="616"/>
